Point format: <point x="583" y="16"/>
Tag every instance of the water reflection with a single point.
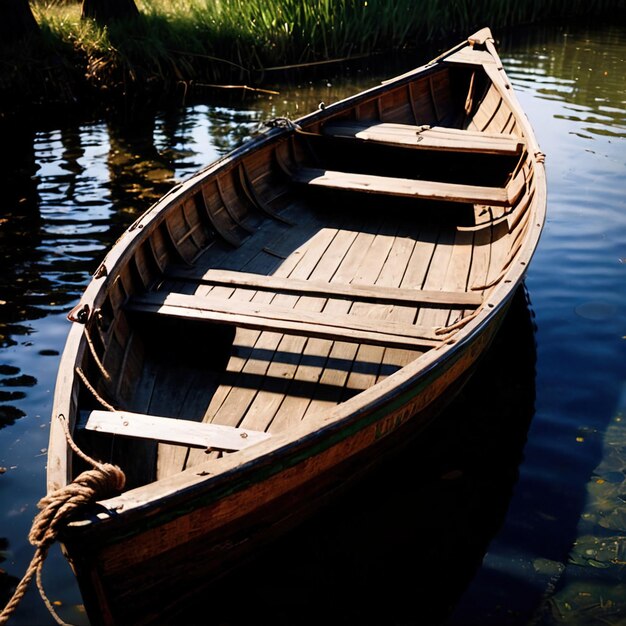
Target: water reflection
<point x="6" y="580"/>
<point x="11" y="377"/>
<point x="19" y="234"/>
<point x="139" y="173"/>
<point x="588" y="77"/>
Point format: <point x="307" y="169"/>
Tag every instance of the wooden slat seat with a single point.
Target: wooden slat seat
<point x="350" y="328"/>
<point x="426" y="137"/>
<point x="362" y="293"/>
<point x="407" y="187"/>
<point x="170" y="430"/>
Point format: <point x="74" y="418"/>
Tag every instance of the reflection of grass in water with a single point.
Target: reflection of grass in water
<point x="9" y="415"/>
<point x="6" y="396"/>
<point x="592" y="588"/>
<point x="10" y="377"/>
<point x="7" y="582"/>
<point x="596" y="310"/>
<point x="23" y="380"/>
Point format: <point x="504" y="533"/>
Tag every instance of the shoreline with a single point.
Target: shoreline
<point x="64" y="69"/>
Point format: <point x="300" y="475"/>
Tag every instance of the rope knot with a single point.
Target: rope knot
<point x="101" y="482"/>
<point x="55" y="510"/>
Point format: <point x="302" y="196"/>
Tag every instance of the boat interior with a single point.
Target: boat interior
<point x="287" y="279"/>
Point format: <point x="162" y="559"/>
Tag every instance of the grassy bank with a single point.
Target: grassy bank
<point x="190" y="43"/>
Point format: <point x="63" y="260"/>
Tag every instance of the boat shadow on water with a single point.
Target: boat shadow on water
<point x="402" y="545"/>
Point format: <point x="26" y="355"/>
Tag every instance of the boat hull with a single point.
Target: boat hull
<point x="140" y="572"/>
<point x="284" y="320"/>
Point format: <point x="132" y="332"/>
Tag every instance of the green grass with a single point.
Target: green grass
<point x="222" y="41"/>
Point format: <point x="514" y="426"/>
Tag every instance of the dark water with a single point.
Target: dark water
<point x="511" y="509"/>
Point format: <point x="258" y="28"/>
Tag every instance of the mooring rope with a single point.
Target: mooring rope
<point x="103" y="481"/>
<point x="96" y="358"/>
<point x="91" y="388"/>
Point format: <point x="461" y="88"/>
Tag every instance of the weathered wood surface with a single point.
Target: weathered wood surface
<point x="404" y="187"/>
<point x="356" y="292"/>
<point x="171" y="430"/>
<point x="270" y="317"/>
<point x="426" y="137"/>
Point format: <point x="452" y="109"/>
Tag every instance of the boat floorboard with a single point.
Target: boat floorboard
<point x="273" y="380"/>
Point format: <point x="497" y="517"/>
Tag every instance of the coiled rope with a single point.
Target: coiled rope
<point x="103" y="481"/>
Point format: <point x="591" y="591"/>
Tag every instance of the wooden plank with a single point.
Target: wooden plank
<point x="405" y="187"/>
<point x="470" y="56"/>
<point x="457" y="276"/>
<point x="256" y="349"/>
<point x="368" y="358"/>
<point x="336" y="358"/>
<point x="487" y="110"/>
<point x="251" y="347"/>
<point x="250" y="256"/>
<point x="170" y="396"/>
<point x="437" y="272"/>
<point x="427" y="137"/>
<point x="284" y="369"/>
<point x="396" y="272"/>
<point x="341" y="359"/>
<point x="171" y="430"/>
<point x="346" y="327"/>
<point x="251" y="192"/>
<point x="500" y="248"/>
<point x="366" y="363"/>
<point x="259" y="354"/>
<point x="180" y="391"/>
<point x="269" y="317"/>
<point x="366" y="293"/>
<point x="252" y="358"/>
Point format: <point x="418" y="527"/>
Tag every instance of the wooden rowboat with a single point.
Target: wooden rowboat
<point x="283" y="319"/>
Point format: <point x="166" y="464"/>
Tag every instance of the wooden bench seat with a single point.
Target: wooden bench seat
<point x="350" y="328"/>
<point x="426" y="137"/>
<point x="170" y="430"/>
<point x="408" y="187"/>
<point x="361" y="293"/>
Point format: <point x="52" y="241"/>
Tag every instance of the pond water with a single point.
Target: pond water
<point x="511" y="509"/>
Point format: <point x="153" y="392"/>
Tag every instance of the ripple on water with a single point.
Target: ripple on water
<point x="596" y="310"/>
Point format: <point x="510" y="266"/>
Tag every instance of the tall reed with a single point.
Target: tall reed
<point x="221" y="40"/>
